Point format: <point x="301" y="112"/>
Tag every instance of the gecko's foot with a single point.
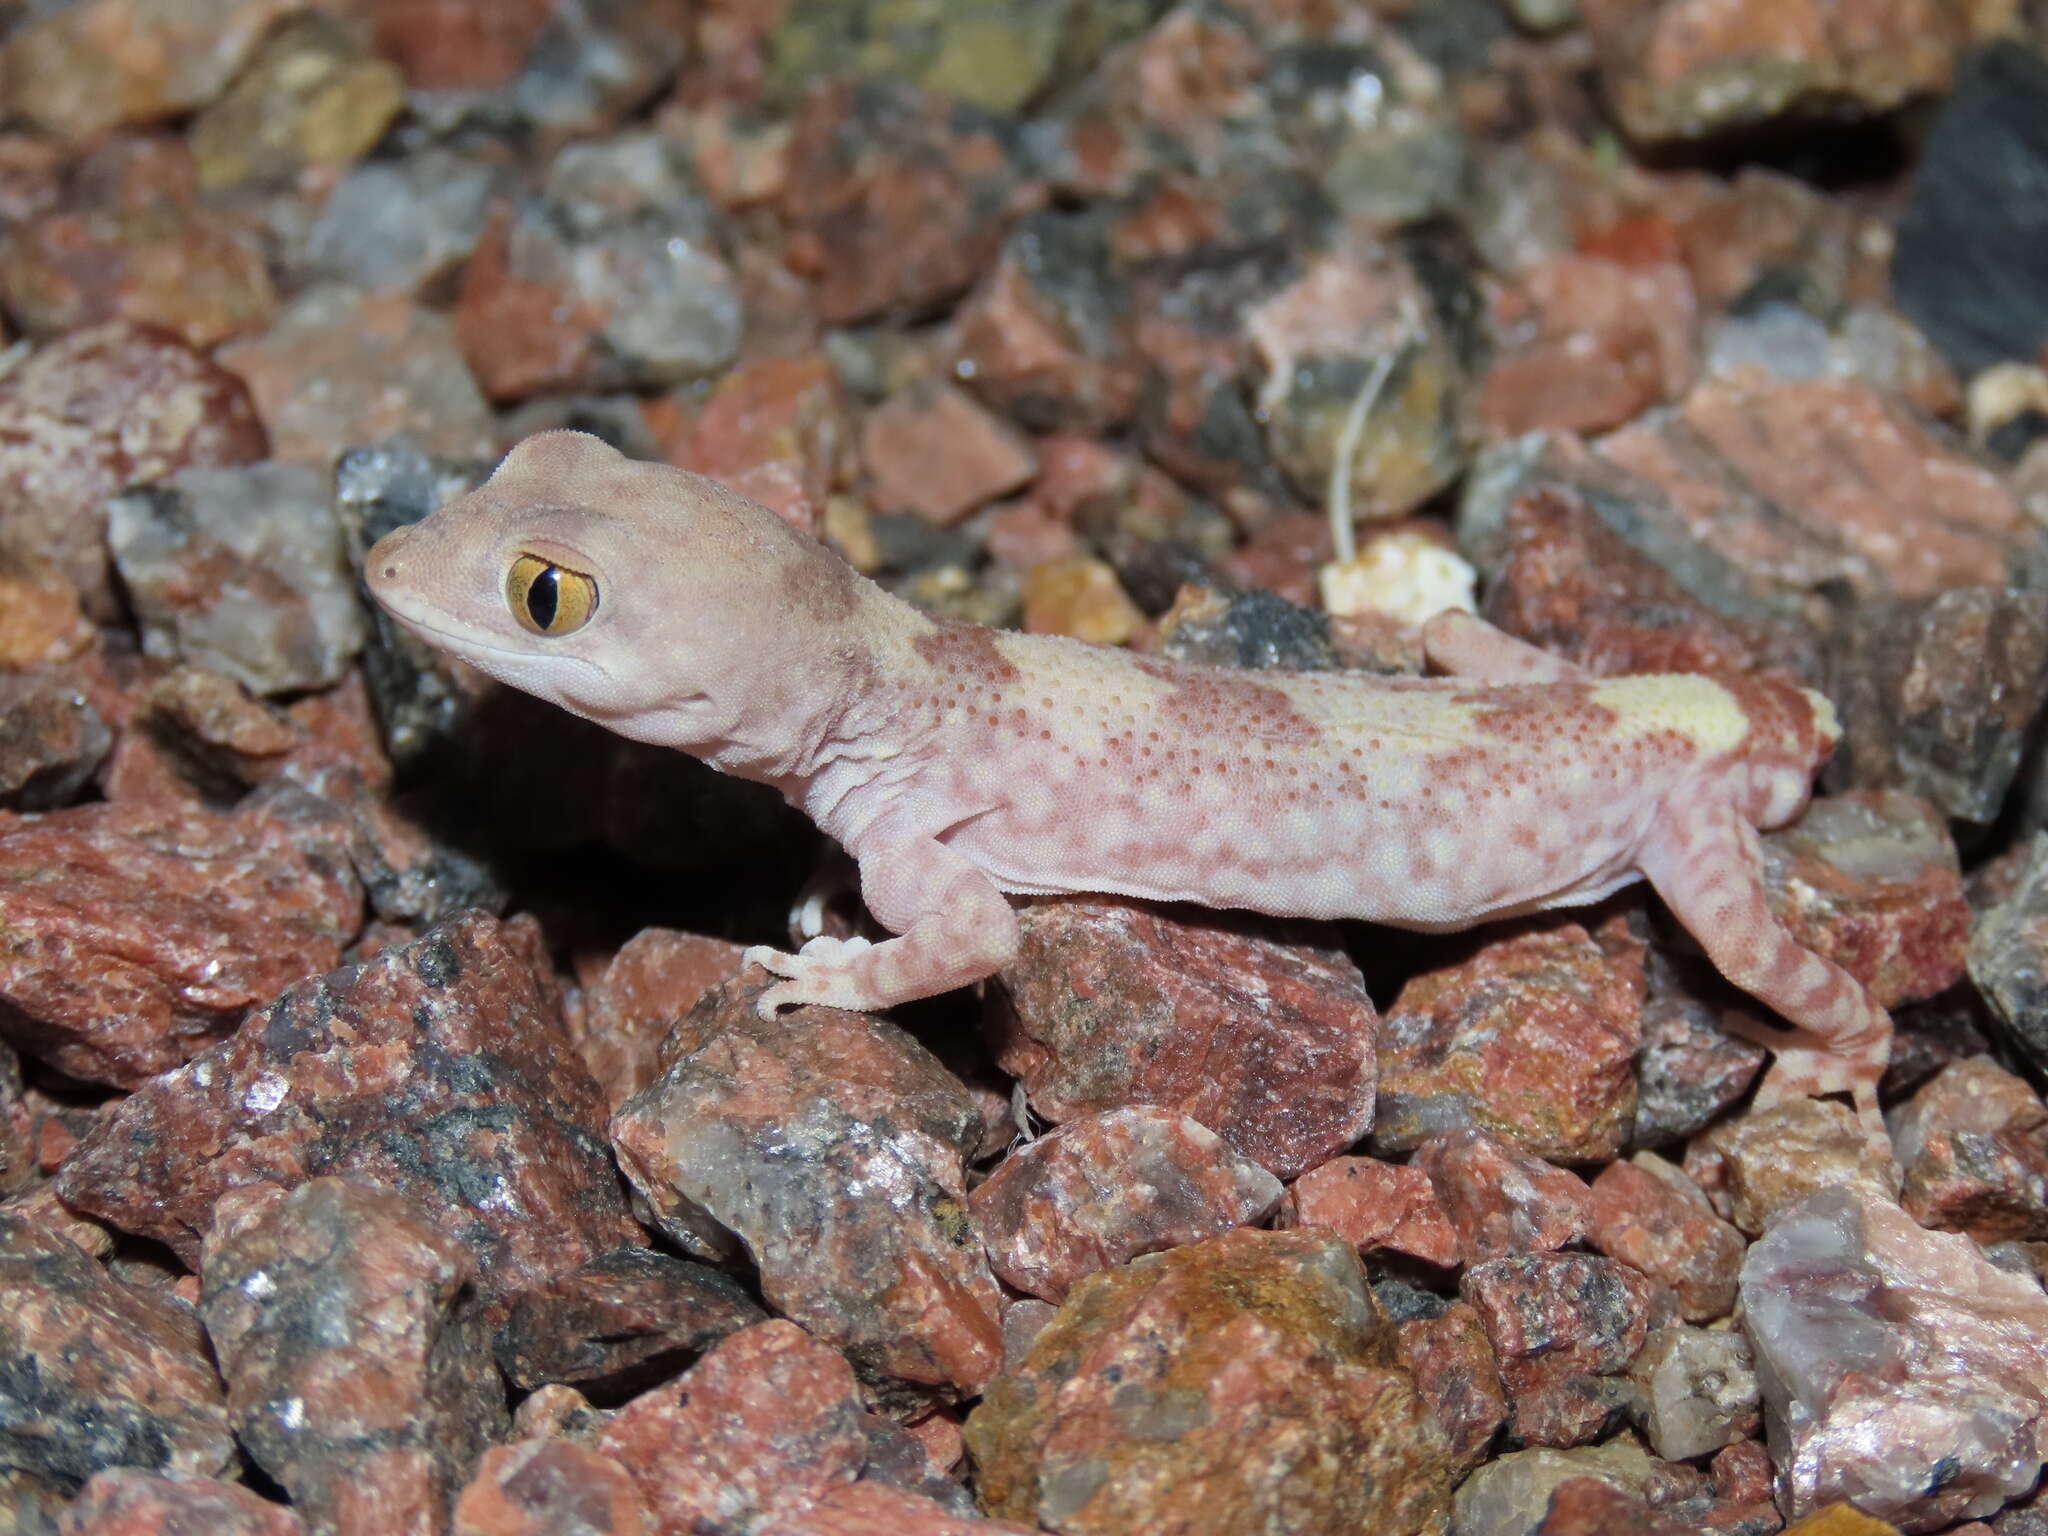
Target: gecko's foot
<point x="1801" y="1072"/>
<point x="818" y="973"/>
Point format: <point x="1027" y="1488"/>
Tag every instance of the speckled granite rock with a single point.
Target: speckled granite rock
<point x="1374" y="1206"/>
<point x="654" y="980"/>
<point x="1268" y="1357"/>
<point x="1457" y="1375"/>
<point x="1648" y="1214"/>
<point x="1974" y="1146"/>
<point x="1899" y="1368"/>
<point x="1499" y="1199"/>
<point x="1761" y="1163"/>
<point x="1564" y="1327"/>
<point x="124" y="1502"/>
<point x="356" y="1357"/>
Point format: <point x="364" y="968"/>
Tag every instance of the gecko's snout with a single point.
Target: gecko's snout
<point x="383" y="562"/>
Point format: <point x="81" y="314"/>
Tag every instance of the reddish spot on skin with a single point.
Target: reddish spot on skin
<point x="1211" y="702"/>
<point x="1540" y="711"/>
<point x="821" y="586"/>
<point x="1782" y="730"/>
<point x="969" y="650"/>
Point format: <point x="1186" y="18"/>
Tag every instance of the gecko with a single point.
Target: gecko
<point x="961" y="765"/>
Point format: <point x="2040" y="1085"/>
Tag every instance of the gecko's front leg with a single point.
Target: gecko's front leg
<point x="952" y="925"/>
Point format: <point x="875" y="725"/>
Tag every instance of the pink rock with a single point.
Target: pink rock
<point x="1974" y="1146"/>
<point x="1105" y="1188"/>
<point x="550" y="1487"/>
<point x="1112" y="1002"/>
<point x="1586" y="1506"/>
<point x="351" y="1306"/>
<point x="773" y="430"/>
<point x="874" y="1185"/>
<point x="1457" y="1376"/>
<point x="1532" y="1037"/>
<point x="1649" y="1215"/>
<point x="1564" y="1327"/>
<point x="874" y="1509"/>
<point x="655" y="979"/>
<point x="166" y="927"/>
<point x="1499" y="1199"/>
<point x="1373" y="1206"/>
<point x="766" y="1422"/>
<point x="125" y="1502"/>
<point x="1900" y="1368"/>
<point x="931" y="450"/>
<point x="1767" y="1160"/>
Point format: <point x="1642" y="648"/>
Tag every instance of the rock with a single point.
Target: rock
<point x="386" y="368"/>
<point x="1531" y="1036"/>
<point x="1587" y="343"/>
<point x="1974" y="1146"/>
<point x="439" y="1070"/>
<point x="1111" y="1003"/>
<point x="1766" y="1161"/>
<point x="654" y="980"/>
<point x="874" y="1185"/>
<point x="1257" y="629"/>
<point x="774" y="429"/>
<point x="1649" y="1215"/>
<point x="896" y="200"/>
<point x="1455" y="1372"/>
<point x="622" y="1320"/>
<point x="165" y="928"/>
<point x="1564" y="1327"/>
<point x="134" y="241"/>
<point x="1899" y="1368"/>
<point x="542" y="1486"/>
<point x="1080" y="597"/>
<point x="1320" y="340"/>
<point x="1866" y="342"/>
<point x="40" y="619"/>
<point x="216" y="737"/>
<point x="1226" y="1386"/>
<point x="931" y="450"/>
<point x="97" y="1373"/>
<point x="85" y="68"/>
<point x="92" y="412"/>
<point x="1807" y="482"/>
<point x="240" y="571"/>
<point x="1699" y="1391"/>
<point x="610" y="276"/>
<point x="1373" y="1206"/>
<point x="1587" y="1506"/>
<point x="1937" y="694"/>
<point x="1687" y="69"/>
<point x="1103" y="1189"/>
<point x="400" y="226"/>
<point x="873" y="1509"/>
<point x="125" y="1502"/>
<point x="1046" y="336"/>
<point x="2005" y="954"/>
<point x="357" y="1360"/>
<point x="766" y="1422"/>
<point x="1498" y="1198"/>
<point x="313" y="98"/>
<point x="1510" y="1495"/>
<point x="1963" y="262"/>
<point x="51" y="740"/>
<point x="1405" y="574"/>
<point x="1689" y="1069"/>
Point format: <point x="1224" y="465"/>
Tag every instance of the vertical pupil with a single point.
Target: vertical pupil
<point x="543" y="597"/>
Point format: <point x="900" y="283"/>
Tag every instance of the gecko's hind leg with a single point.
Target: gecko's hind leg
<point x="1707" y="866"/>
<point x="1462" y="644"/>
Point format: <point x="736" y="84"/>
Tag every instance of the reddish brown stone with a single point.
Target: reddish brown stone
<point x="1112" y="1002"/>
<point x="550" y="1487"/>
<point x="1455" y="1372"/>
<point x="1531" y="1036"/>
<point x="874" y="1185"/>
<point x="51" y="739"/>
<point x="1870" y="880"/>
<point x="873" y="1509"/>
<point x="1499" y="1199"/>
<point x="107" y="1374"/>
<point x="135" y="243"/>
<point x="439" y="1070"/>
<point x="931" y="450"/>
<point x="386" y="368"/>
<point x="1105" y="1188"/>
<point x="773" y="430"/>
<point x="625" y="1318"/>
<point x="1803" y="482"/>
<point x="896" y="200"/>
<point x="137" y="936"/>
<point x="356" y="1357"/>
<point x="124" y="1502"/>
<point x="1373" y="1206"/>
<point x="1588" y="343"/>
<point x="653" y="981"/>
<point x="1770" y="1159"/>
<point x="41" y="622"/>
<point x="1652" y="1217"/>
<point x="457" y="44"/>
<point x="1564" y="1326"/>
<point x="1974" y="1145"/>
<point x="1689" y="1069"/>
<point x="1080" y="596"/>
<point x="764" y="1423"/>
<point x="1269" y="1359"/>
<point x="1586" y="1506"/>
<point x="95" y="411"/>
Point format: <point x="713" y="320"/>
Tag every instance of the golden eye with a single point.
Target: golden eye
<point x="547" y="598"/>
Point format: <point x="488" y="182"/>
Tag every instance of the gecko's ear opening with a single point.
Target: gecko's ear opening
<point x="549" y="599"/>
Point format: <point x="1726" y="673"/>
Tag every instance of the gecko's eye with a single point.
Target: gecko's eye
<point x="547" y="598"/>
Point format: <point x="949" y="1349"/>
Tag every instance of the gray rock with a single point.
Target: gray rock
<point x="51" y="740"/>
<point x="2009" y="955"/>
<point x="401" y="224"/>
<point x="1699" y="1390"/>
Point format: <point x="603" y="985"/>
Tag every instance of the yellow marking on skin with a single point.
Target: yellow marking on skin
<point x="1697" y="707"/>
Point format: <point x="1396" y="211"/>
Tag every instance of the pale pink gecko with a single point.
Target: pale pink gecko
<point x="958" y="763"/>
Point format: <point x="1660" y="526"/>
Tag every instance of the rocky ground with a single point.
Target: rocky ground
<point x="387" y="1140"/>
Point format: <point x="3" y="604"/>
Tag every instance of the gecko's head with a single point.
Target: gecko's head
<point x="634" y="594"/>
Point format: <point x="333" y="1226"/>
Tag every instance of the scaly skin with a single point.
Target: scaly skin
<point x="957" y="764"/>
